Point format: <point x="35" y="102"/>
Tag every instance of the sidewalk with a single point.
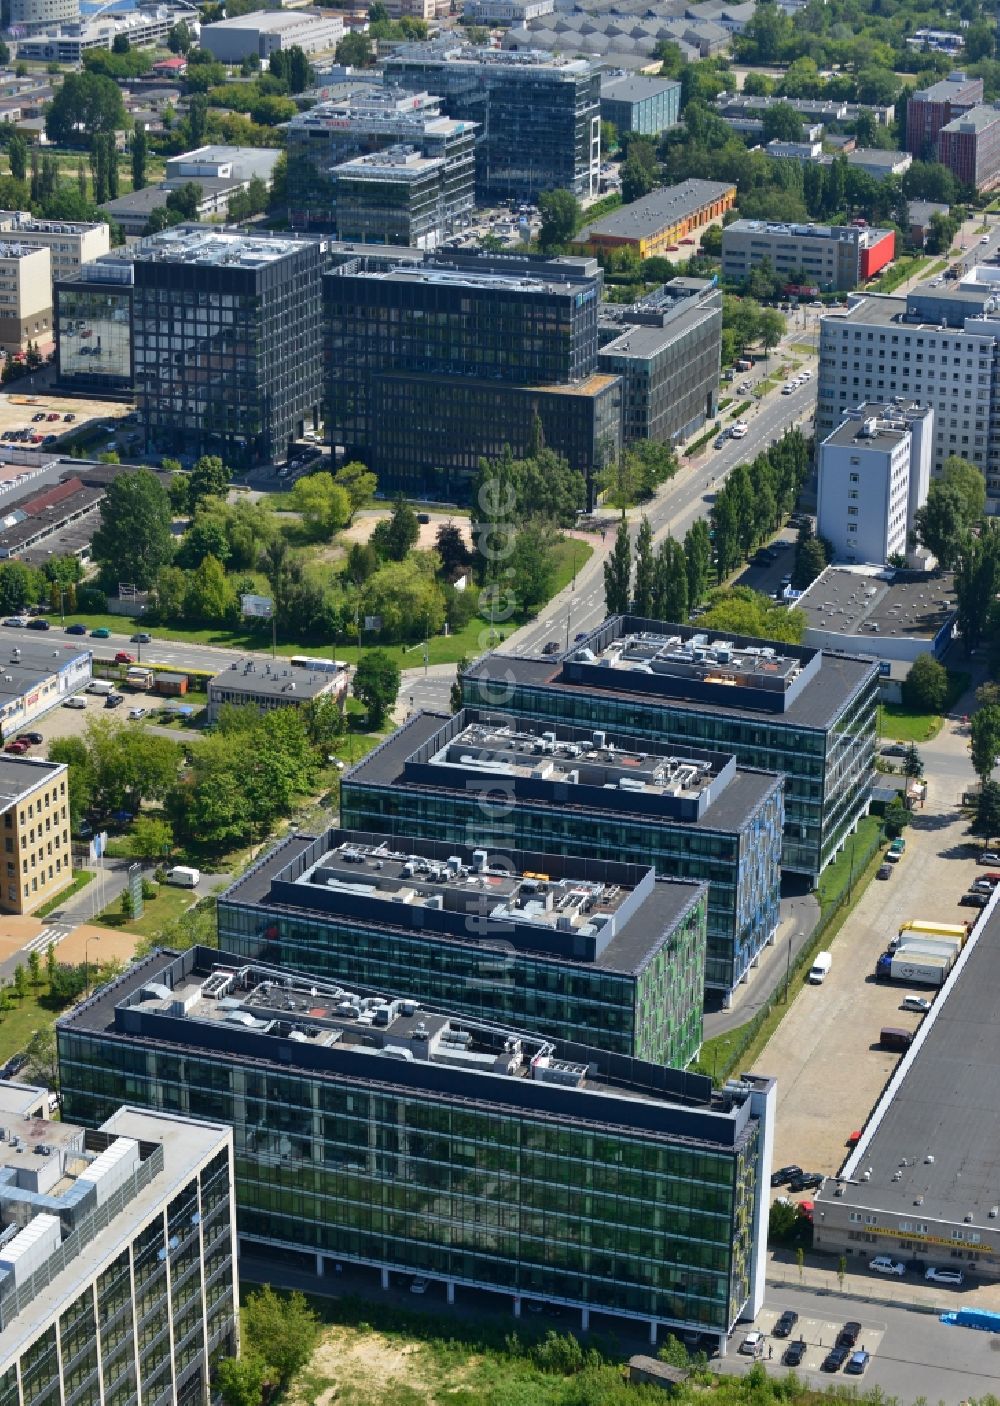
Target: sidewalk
<point x="819" y="1275"/>
<point x="800" y="914"/>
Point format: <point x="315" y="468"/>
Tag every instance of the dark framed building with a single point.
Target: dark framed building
<point x="804" y="713"/>
<point x="372" y="1129"/>
<point x="393" y="197"/>
<point x="595" y="952"/>
<point x="227" y="342"/>
<point x="430" y="368"/>
<point x="537" y="116"/>
<point x="488" y="779"/>
<point x="92" y="319"/>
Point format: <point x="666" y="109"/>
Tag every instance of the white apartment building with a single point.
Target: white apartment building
<point x="874" y="471"/>
<point x="25" y="296"/>
<point x="69" y="244"/>
<point x="938" y="346"/>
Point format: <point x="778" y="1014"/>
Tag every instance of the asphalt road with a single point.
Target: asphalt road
<point x="179" y="654"/>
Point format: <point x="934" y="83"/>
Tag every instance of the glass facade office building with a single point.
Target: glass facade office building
<point x="593" y="952"/>
<point x="538" y="117"/>
<point x="120" y="1286"/>
<point x="420" y="780"/>
<point x="227" y="342"/>
<point x="92" y="317"/>
<point x="475" y="1155"/>
<point x="431" y="368"/>
<point x="820" y="735"/>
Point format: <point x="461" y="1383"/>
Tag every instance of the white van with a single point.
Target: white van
<point x="819" y="968"/>
<point x="101" y="686"/>
<point x="183" y="877"/>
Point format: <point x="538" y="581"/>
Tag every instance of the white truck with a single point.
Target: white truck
<point x="819" y="969"/>
<point x="102" y="687"/>
<point x="929" y="947"/>
<point x="183" y="876"/>
<point x="916" y="970"/>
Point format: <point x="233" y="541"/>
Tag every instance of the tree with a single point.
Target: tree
<point x="358" y="482"/>
<point x="811" y="558"/>
<point x="958" y="473"/>
<point x="985" y="731"/>
<point x="782" y="123"/>
<point x="17" y="153"/>
<point x="670" y="586"/>
<point x="241" y="1380"/>
<point x="407" y="597"/>
<point x="324" y="720"/>
<point x="398" y="535"/>
<point x="783" y="1222"/>
<point x="283" y="1330"/>
<point x="940" y="523"/>
<point x="450" y="546"/>
<point x="179" y="39"/>
<point x="20" y="982"/>
<point x="355" y="51"/>
<point x="85" y="103"/>
<point x="73" y="751"/>
<point x="376" y="684"/>
<point x="742" y="611"/>
<point x="532" y="564"/>
<point x="912" y="765"/>
<point x="698" y="557"/>
<point x="35" y="969"/>
<point x="206" y="537"/>
<point x="134" y="539"/>
<point x="772" y="329"/>
<point x="20" y="585"/>
<point x="210" y="478"/>
<point x="140" y="152"/>
<point x="640" y="170"/>
<point x="987" y="818"/>
<point x="150" y="838"/>
<point x="324" y="506"/>
<point x="560" y="211"/>
<point x="618" y="573"/>
<point x="210" y="595"/>
<point x="42" y="1065"/>
<point x="925" y="688"/>
<point x="642" y="591"/>
<point x="896" y="818"/>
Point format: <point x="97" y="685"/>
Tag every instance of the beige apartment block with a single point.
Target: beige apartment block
<point x="34" y="802"/>
<point x="25" y="296"/>
<point x="69" y="243"/>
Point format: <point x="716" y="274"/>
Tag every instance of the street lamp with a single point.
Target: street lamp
<point x="94" y="937"/>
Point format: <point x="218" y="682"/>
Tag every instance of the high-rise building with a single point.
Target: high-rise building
<point x="92" y="319"/>
<point x="118" y="1274"/>
<point x="939" y="346"/>
<point x="929" y="109"/>
<point x="589" y="950"/>
<point x="430" y="369"/>
<point x="226" y="342"/>
<point x="667" y="350"/>
<point x="25" y="296"/>
<point x="538" y="117"/>
<point x="405" y="1140"/>
<point x="394" y="196"/>
<point x="485" y="779"/>
<point x="368" y="119"/>
<point x="806" y="715"/>
<point x="874" y="471"/>
<point x="969" y="146"/>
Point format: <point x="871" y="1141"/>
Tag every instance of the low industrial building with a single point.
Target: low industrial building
<point x="505" y="12"/>
<point x="921" y="1182"/>
<point x="66" y="43"/>
<point x="267" y="32"/>
<point x="224" y="163"/>
<point x="667" y="349"/>
<point x="661" y="219"/>
<point x="688" y="813"/>
<point x="781" y="707"/>
<point x="118" y="1276"/>
<point x="35" y="678"/>
<point x="889" y="615"/>
<point x="456" y="1150"/>
<point x="878" y="163"/>
<point x="282" y="684"/>
<point x="640" y="106"/>
<point x="829" y="257"/>
<point x="35" y="808"/>
<point x="589" y="950"/>
<point x="874" y="471"/>
<point x="38" y="515"/>
<point x="25" y="296"/>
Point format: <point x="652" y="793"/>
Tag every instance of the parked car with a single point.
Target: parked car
<point x="551" y="648"/>
<point x="934" y="1275"/>
<point x="834" y="1359"/>
<point x="68" y="418"/>
<point x="915" y="1003"/>
<point x="54" y="415"/>
<point x="894" y="749"/>
<point x="122" y="656"/>
<point x="135" y="714"/>
<point x="76" y="629"/>
<point x="17" y="748"/>
<point x="885" y="871"/>
<point x="885" y="1264"/>
<point x="39" y="624"/>
<point x="807" y="1181"/>
<point x="752" y="1344"/>
<point x="981" y="886"/>
<point x="101" y="633"/>
<point x="18" y="622"/>
<point x="973" y="900"/>
<point x="33" y="739"/>
<point x="794" y="1353"/>
<point x="419" y="1285"/>
<point x="114" y="700"/>
<point x="75" y="702"/>
<point x="141" y="637"/>
<point x="785" y="1174"/>
<point x="857" y="1362"/>
<point x="39" y="415"/>
<point x="783" y="1327"/>
<point x="990" y="857"/>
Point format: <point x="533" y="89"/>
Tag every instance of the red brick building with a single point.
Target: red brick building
<point x="970" y="147"/>
<point x="930" y="109"/>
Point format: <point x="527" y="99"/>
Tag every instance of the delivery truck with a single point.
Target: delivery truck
<point x="915" y="971"/>
<point x="929" y="947"/>
<point x="820" y="968"/>
<point x="925" y="928"/>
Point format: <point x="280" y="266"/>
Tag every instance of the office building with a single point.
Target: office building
<point x="878" y="163"/>
<point x="922" y="1185"/>
<point x="806" y="715"/>
<point x="226" y="342"/>
<point x="930" y="109"/>
<point x="29" y="16"/>
<point x="92" y="319"/>
<point x="267" y="32"/>
<point x="430" y="369"/>
<point x="892" y="615"/>
<point x="874" y="472"/>
<point x="367" y="120"/>
<point x="60" y="42"/>
<point x="828" y="257"/>
<point x="638" y="105"/>
<point x="538" y="117"/>
<point x="969" y="146"/>
<point x="663" y="218"/>
<point x="395" y="196"/>
<point x="467" y="1152"/>
<point x="250" y="683"/>
<point x="25" y="296"/>
<point x="940" y="345"/>
<point x="118" y="1269"/>
<point x="35" y="808"/>
<point x="505" y="12"/>
<point x="593" y="951"/>
<point x="667" y="351"/>
<point x="70" y="244"/>
<point x="691" y="815"/>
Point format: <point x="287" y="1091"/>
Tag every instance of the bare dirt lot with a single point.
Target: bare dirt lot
<point x="18" y="407"/>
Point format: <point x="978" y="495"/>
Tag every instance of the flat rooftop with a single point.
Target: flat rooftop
<point x="432" y="752"/>
<point x="252" y="675"/>
<point x="845" y="234"/>
<point x="933" y="1142"/>
<point x="274" y="1017"/>
<point x="22" y="672"/>
<point x="446" y="51"/>
<point x="657" y="210"/>
<point x="491" y="277"/>
<point x="945" y="90"/>
<point x="636" y="89"/>
<point x="393" y="164"/>
<point x="19" y="775"/>
<point x="873" y="432"/>
<point x="856" y="602"/>
<point x="207" y="246"/>
<point x="816" y="704"/>
<point x="977" y="119"/>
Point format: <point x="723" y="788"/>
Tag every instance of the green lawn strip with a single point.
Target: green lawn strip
<point x="19" y="1023"/>
<point x="902" y="724"/>
<point x="905" y="268"/>
<point x="80" y="880"/>
<point x="169" y="903"/>
<point x="937" y="268"/>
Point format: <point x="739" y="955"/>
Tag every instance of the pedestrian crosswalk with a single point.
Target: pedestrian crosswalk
<point x="51" y="935"/>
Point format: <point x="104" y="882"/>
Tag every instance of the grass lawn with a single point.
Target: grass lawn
<point x="902" y="724"/>
<point x="79" y="881"/>
<point x="18" y="1024"/>
<point x="169" y="903"/>
<point x="905" y="268"/>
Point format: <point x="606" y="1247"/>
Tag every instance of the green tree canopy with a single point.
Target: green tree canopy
<point x="133" y="540"/>
<point x="85" y="103"/>
<point x="376" y="684"/>
<point x="560" y="211"/>
<point x="743" y="611"/>
<point x="985" y="731"/>
<point x="324" y="506"/>
<point x="925" y="687"/>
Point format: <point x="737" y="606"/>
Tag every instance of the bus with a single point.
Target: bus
<point x="317" y="666"/>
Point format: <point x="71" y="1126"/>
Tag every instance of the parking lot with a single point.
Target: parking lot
<point x="819" y="1333"/>
<point x="18" y="409"/>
